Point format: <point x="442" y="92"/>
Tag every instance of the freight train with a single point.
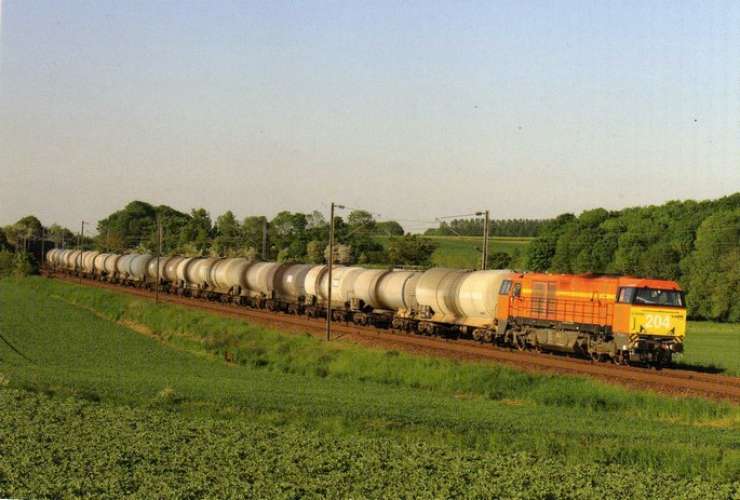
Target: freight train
<point x="624" y="320"/>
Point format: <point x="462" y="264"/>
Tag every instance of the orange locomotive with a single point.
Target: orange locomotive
<point x="617" y="318"/>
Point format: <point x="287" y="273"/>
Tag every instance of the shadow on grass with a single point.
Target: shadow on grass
<point x="682" y="365"/>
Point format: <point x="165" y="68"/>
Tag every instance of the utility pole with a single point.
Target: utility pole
<point x="331" y="265"/>
<point x="484" y="263"/>
<point x="264" y="239"/>
<point x="82" y="235"/>
<point x="159" y="254"/>
<point x="43" y="248"/>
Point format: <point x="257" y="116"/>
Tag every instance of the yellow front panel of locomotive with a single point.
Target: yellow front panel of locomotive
<point x="658" y="321"/>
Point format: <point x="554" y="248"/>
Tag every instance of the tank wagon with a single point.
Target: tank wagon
<point x="606" y="318"/>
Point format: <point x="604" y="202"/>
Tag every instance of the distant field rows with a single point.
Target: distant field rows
<point x="465" y="251"/>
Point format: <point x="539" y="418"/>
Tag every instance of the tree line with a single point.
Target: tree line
<point x="287" y="237"/>
<point x="694" y="243"/>
<point x="496" y="227"/>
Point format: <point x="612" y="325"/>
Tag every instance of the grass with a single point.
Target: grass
<point x="713" y="345"/>
<point x="464" y="252"/>
<point x="421" y="418"/>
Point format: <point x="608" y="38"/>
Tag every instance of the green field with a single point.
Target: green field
<point x="464" y="252"/>
<point x="715" y="346"/>
<point x="95" y="408"/>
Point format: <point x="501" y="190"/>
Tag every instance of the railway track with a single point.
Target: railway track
<point x="671" y="381"/>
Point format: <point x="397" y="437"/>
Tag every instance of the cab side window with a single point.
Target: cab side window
<point x="505" y="287"/>
<point x="626" y="295"/>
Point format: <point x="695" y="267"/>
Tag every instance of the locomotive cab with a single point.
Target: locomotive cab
<point x="651" y="317"/>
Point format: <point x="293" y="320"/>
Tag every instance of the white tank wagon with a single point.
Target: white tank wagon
<point x="138" y="265"/>
<point x="263" y="279"/>
<point x="88" y="262"/>
<point x="151" y="268"/>
<point x="110" y="264"/>
<point x="197" y="275"/>
<point x="436" y="294"/>
<point x="123" y="266"/>
<point x="229" y="276"/>
<point x="99" y="264"/>
<point x="184" y="274"/>
<point x="477" y="300"/>
<point x="53" y="257"/>
<point x="49" y="257"/>
<point x="72" y="260"/>
<point x="289" y="292"/>
<point x="378" y="294"/>
<point x="61" y="259"/>
<point x="170" y="268"/>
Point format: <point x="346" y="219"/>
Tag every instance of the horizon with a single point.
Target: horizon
<point x="413" y="112"/>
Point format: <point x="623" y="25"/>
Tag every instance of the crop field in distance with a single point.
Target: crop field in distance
<point x="464" y="252"/>
<point x="157" y="411"/>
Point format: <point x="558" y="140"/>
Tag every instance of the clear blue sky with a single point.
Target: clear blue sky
<point x="410" y="109"/>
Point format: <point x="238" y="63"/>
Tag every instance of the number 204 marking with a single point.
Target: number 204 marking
<point x="657" y="321"/>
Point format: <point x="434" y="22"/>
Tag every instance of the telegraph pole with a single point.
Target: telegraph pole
<point x="331" y="264"/>
<point x="264" y="239"/>
<point x="159" y="254"/>
<point x="82" y="235"/>
<point x="43" y="248"/>
<point x="484" y="263"/>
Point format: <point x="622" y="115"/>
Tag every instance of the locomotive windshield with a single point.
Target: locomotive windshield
<point x="651" y="297"/>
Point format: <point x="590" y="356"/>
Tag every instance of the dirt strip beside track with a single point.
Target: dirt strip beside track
<point x="669" y="381"/>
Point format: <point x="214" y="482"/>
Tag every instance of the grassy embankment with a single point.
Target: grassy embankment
<point x="715" y="346"/>
<point x="102" y="409"/>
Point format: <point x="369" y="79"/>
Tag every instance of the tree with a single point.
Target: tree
<point x="712" y="272"/>
<point x="26" y="229"/>
<point x="314" y="252"/>
<point x="499" y="260"/>
<point x="61" y="236"/>
<point x="288" y="235"/>
<point x="410" y="249"/>
<point x="342" y="254"/>
<point x="252" y="232"/>
<point x="541" y="251"/>
<point x="196" y="234"/>
<point x="228" y="234"/>
<point x="389" y="228"/>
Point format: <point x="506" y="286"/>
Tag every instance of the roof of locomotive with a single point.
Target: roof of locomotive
<point x="603" y="279"/>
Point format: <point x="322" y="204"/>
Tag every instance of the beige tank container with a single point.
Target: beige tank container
<point x="99" y="263"/>
<point x="200" y="272"/>
<point x="170" y="268"/>
<point x="397" y="290"/>
<point x="228" y="274"/>
<point x="184" y="269"/>
<point x="151" y="267"/>
<point x="123" y="266"/>
<point x="138" y="266"/>
<point x="55" y="257"/>
<point x="343" y="281"/>
<point x="88" y="261"/>
<point x="61" y="259"/>
<point x="262" y="276"/>
<point x="73" y="260"/>
<point x="292" y="281"/>
<point x="111" y="263"/>
<point x="477" y="296"/>
<point x="312" y="282"/>
<point x="437" y="289"/>
<point x="365" y="286"/>
<point x="49" y="258"/>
